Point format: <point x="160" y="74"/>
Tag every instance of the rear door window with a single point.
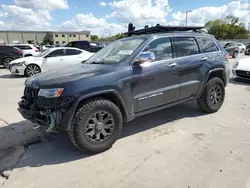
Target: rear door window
<point x="185" y="46"/>
<point x="206" y="45"/>
<point x="57" y="53"/>
<point x="83" y="44"/>
<point x="72" y="52"/>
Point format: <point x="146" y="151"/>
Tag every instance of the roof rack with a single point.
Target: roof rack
<point x="161" y="29"/>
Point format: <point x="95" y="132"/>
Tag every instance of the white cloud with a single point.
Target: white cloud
<point x="140" y="12"/>
<point x="96" y="25"/>
<point x="23" y="18"/>
<point x="43" y="4"/>
<point x="2" y="25"/>
<point x="202" y="15"/>
<point x="103" y="4"/>
<point x="31" y="14"/>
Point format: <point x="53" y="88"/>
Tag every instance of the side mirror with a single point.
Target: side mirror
<point x="144" y="57"/>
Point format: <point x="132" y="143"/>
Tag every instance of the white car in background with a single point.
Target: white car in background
<point x="50" y="59"/>
<point x="28" y="49"/>
<point x="242" y="47"/>
<point x="241" y="69"/>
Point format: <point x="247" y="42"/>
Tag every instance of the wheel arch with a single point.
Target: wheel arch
<point x="6" y="58"/>
<point x="30" y="65"/>
<point x="218" y="72"/>
<point x="110" y="94"/>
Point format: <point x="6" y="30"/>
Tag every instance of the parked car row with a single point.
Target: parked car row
<point x="11" y="52"/>
<point x="49" y="59"/>
<point x="8" y="54"/>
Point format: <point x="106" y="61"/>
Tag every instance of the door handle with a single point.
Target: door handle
<point x="204" y="58"/>
<point x="172" y="64"/>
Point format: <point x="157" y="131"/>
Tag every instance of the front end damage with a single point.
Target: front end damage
<point x="46" y="112"/>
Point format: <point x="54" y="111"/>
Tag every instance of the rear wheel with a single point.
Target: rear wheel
<point x="213" y="96"/>
<point x="96" y="125"/>
<point x="6" y="61"/>
<point x="32" y="70"/>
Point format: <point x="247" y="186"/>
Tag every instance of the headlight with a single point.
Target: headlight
<point x="19" y="64"/>
<point x="50" y="93"/>
<point x="235" y="65"/>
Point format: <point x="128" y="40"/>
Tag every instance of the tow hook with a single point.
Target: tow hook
<point x="36" y="126"/>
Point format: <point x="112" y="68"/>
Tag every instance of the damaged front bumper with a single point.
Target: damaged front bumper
<point x="53" y="114"/>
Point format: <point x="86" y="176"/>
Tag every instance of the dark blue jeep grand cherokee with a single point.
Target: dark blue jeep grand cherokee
<point x="129" y="78"/>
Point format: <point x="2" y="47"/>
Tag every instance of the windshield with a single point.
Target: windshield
<point x="116" y="51"/>
<point x="43" y="53"/>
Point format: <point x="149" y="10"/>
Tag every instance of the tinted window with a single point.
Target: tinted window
<point x="23" y="47"/>
<point x="161" y="48"/>
<point x="207" y="45"/>
<point x="185" y="46"/>
<point x="56" y="53"/>
<point x="71" y="44"/>
<point x="72" y="52"/>
<point x="83" y="44"/>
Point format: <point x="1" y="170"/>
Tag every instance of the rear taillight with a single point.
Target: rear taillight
<point x="227" y="57"/>
<point x="36" y="50"/>
<point x="19" y="52"/>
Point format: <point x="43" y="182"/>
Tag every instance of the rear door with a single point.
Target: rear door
<point x="54" y="60"/>
<point x="189" y="61"/>
<point x="72" y="56"/>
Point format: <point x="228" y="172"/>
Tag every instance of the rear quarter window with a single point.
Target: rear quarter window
<point x="206" y="45"/>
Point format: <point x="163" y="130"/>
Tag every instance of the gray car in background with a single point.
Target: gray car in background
<point x="231" y="47"/>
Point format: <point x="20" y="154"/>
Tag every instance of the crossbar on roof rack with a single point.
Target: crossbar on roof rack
<point x="163" y="29"/>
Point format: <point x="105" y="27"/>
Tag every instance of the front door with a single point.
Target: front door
<point x="155" y="83"/>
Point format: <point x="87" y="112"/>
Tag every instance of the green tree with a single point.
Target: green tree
<point x="94" y="38"/>
<point x="48" y="38"/>
<point x="227" y="28"/>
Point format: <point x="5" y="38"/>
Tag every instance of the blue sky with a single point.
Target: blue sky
<point x="109" y="16"/>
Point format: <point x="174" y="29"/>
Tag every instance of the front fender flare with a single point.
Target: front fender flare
<point x="69" y="114"/>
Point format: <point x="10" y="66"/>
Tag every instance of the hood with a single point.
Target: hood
<point x="27" y="59"/>
<point x="244" y="64"/>
<point x="68" y="74"/>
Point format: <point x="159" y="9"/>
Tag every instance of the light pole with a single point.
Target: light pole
<point x="187" y="11"/>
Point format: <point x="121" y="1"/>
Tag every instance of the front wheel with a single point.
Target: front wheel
<point x="213" y="96"/>
<point x="32" y="70"/>
<point x="96" y="126"/>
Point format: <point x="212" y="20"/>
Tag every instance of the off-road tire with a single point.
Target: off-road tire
<point x="77" y="132"/>
<point x="204" y="101"/>
<point x="235" y="54"/>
